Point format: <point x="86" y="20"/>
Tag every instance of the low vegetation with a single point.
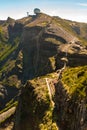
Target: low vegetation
<point x="75" y="80"/>
<point x="36" y="103"/>
<point x="36" y="110"/>
<point x="9" y="105"/>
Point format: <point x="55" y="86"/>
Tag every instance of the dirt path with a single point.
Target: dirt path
<point x="49" y="91"/>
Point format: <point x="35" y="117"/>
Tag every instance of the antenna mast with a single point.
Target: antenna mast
<point x="27" y="14"/>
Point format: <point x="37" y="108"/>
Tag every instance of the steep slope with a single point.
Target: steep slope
<point x="71" y="106"/>
<point x="9" y="49"/>
<point x="38" y="48"/>
<point x="79" y="29"/>
<point x="40" y="41"/>
<point x="35" y="109"/>
<point x="44" y="44"/>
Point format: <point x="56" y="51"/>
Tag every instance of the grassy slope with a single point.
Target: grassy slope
<point x="6" y="51"/>
<point x="68" y="25"/>
<point x="36" y="103"/>
<point x="75" y="80"/>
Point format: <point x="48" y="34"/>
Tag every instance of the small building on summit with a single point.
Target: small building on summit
<point x="36" y="11"/>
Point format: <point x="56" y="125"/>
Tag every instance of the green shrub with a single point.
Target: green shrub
<point x="75" y="80"/>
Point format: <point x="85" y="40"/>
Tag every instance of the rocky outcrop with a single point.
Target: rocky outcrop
<point x="80" y="29"/>
<point x="14" y="31"/>
<point x="38" y="46"/>
<point x="71" y="110"/>
<point x="40" y="41"/>
<point x="35" y="110"/>
<point x="43" y="48"/>
<point x="6" y="94"/>
<point x="75" y="53"/>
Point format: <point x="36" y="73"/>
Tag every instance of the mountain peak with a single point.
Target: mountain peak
<point x="10" y="20"/>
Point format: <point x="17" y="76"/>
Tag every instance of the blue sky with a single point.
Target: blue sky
<point x="69" y="9"/>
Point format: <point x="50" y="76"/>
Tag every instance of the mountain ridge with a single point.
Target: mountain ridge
<point x="33" y="49"/>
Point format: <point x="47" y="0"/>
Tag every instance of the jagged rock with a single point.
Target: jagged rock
<point x="35" y="109"/>
<point x="40" y="43"/>
<point x="33" y="47"/>
<point x="71" y="111"/>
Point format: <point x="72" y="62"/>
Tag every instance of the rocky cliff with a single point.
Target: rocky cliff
<point x="71" y="103"/>
<point x="35" y="109"/>
<point x="52" y="56"/>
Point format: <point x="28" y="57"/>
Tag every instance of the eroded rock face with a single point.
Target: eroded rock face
<point x="14" y="30"/>
<point x="71" y="110"/>
<point x="75" y="53"/>
<point x="40" y="41"/>
<point x="6" y="94"/>
<point x="43" y="43"/>
<point x="35" y="111"/>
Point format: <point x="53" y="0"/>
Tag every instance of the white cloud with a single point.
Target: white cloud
<point x="76" y="14"/>
<point x="82" y="4"/>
